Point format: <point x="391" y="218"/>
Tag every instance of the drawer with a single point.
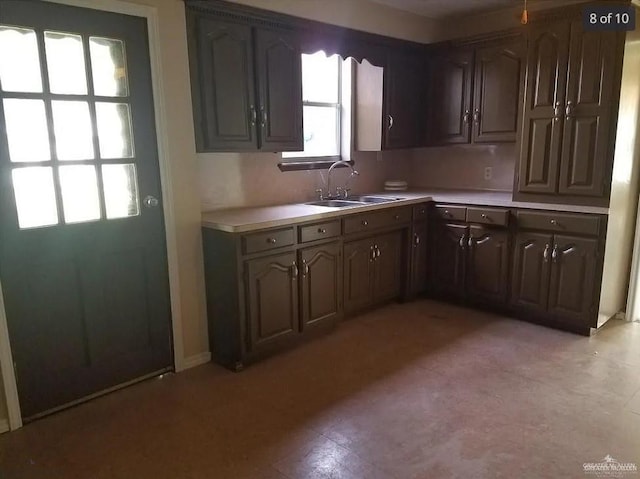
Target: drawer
<point x="376" y="219"/>
<point x="319" y="231"/>
<point x="451" y="212"/>
<point x="488" y="216"/>
<point x="420" y="212"/>
<point x="559" y="222"/>
<point x="267" y="240"/>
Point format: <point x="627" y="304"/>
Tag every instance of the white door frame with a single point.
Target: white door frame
<point x="151" y="15"/>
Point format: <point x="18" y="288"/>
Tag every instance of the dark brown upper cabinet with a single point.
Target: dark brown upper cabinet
<point x="451" y="86"/>
<point x="569" y="119"/>
<point x="476" y="93"/>
<point x="389" y="112"/>
<point x="403" y="101"/>
<point x="246" y="86"/>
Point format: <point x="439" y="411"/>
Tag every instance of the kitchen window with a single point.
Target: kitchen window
<point x="326" y="85"/>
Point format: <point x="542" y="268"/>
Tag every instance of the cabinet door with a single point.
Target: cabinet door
<point x="419" y="258"/>
<point x="488" y="264"/>
<point x="272" y="299"/>
<point x="499" y="73"/>
<point x="573" y="269"/>
<point x="387" y="266"/>
<point x="279" y="66"/>
<point x="358" y="274"/>
<point x="543" y="117"/>
<point x="451" y="77"/>
<point x="531" y="267"/>
<point x="321" y="273"/>
<point x="448" y="258"/>
<point x="589" y="112"/>
<point x="403" y="90"/>
<point x="224" y="104"/>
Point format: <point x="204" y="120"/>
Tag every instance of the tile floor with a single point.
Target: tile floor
<point x="417" y="390"/>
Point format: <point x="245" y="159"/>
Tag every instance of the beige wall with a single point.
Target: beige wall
<point x="463" y="167"/>
<point x="357" y="14"/>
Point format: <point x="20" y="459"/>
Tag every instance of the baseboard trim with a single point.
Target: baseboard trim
<point x="4" y="425"/>
<point x="197" y="360"/>
<point x="621" y="315"/>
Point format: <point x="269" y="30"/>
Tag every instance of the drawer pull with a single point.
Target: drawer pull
<point x="365" y="223"/>
<point x="554" y="223"/>
<point x="271" y="240"/>
<point x="322" y="230"/>
<point x="423" y="211"/>
<point x="484" y="216"/>
<point x="396" y="217"/>
<point x="446" y="213"/>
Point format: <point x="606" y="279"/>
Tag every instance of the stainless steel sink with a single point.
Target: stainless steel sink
<point x="336" y="203"/>
<point x="372" y="199"/>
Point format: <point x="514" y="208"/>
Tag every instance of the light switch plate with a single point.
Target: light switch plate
<point x="488" y="173"/>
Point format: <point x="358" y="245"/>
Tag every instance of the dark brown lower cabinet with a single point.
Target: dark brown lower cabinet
<point x="449" y="243"/>
<point x="272" y="299"/>
<point x="419" y="274"/>
<point x="487" y="264"/>
<point x="530" y="284"/>
<point x="573" y="275"/>
<point x="373" y="270"/>
<point x="555" y="275"/>
<point x="321" y="285"/>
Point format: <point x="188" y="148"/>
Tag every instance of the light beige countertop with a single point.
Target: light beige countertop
<point x="241" y="220"/>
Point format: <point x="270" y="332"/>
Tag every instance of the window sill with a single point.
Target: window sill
<point x="301" y="164"/>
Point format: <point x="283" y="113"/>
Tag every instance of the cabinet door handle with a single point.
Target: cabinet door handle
<point x="465" y="117"/>
<point x="294" y="270"/>
<point x="372" y="255"/>
<point x="305" y="268"/>
<point x="253" y="114"/>
<point x="416" y="239"/>
<point x="545" y="254"/>
<point x="377" y="252"/>
<point x="554" y="253"/>
<point x="263" y="115"/>
<point x="470" y="242"/>
<point x="390" y="122"/>
<point x="463" y="239"/>
<point x="476" y="116"/>
<point x="556" y="111"/>
<point x="569" y="110"/>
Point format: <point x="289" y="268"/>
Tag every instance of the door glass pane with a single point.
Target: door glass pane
<point x="72" y="127"/>
<point x="320" y="131"/>
<point x="65" y="62"/>
<point x="120" y="190"/>
<point x="27" y="132"/>
<point x="79" y="186"/>
<point x="35" y="196"/>
<point x="320" y="78"/>
<point x="19" y="60"/>
<point x="114" y="130"/>
<point x="108" y="67"/>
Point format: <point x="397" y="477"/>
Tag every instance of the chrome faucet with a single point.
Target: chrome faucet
<point x="344" y="189"/>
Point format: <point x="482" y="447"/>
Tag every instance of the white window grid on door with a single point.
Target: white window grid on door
<point x="67" y="111"/>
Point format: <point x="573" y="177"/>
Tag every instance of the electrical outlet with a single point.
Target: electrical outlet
<point x="488" y="173"/>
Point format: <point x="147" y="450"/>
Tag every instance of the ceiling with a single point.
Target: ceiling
<point x="446" y="8"/>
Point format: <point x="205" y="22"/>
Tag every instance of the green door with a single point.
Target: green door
<point x="82" y="242"/>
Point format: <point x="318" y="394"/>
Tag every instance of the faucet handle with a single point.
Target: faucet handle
<point x="339" y="190"/>
<point x="347" y="191"/>
<point x="320" y="194"/>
